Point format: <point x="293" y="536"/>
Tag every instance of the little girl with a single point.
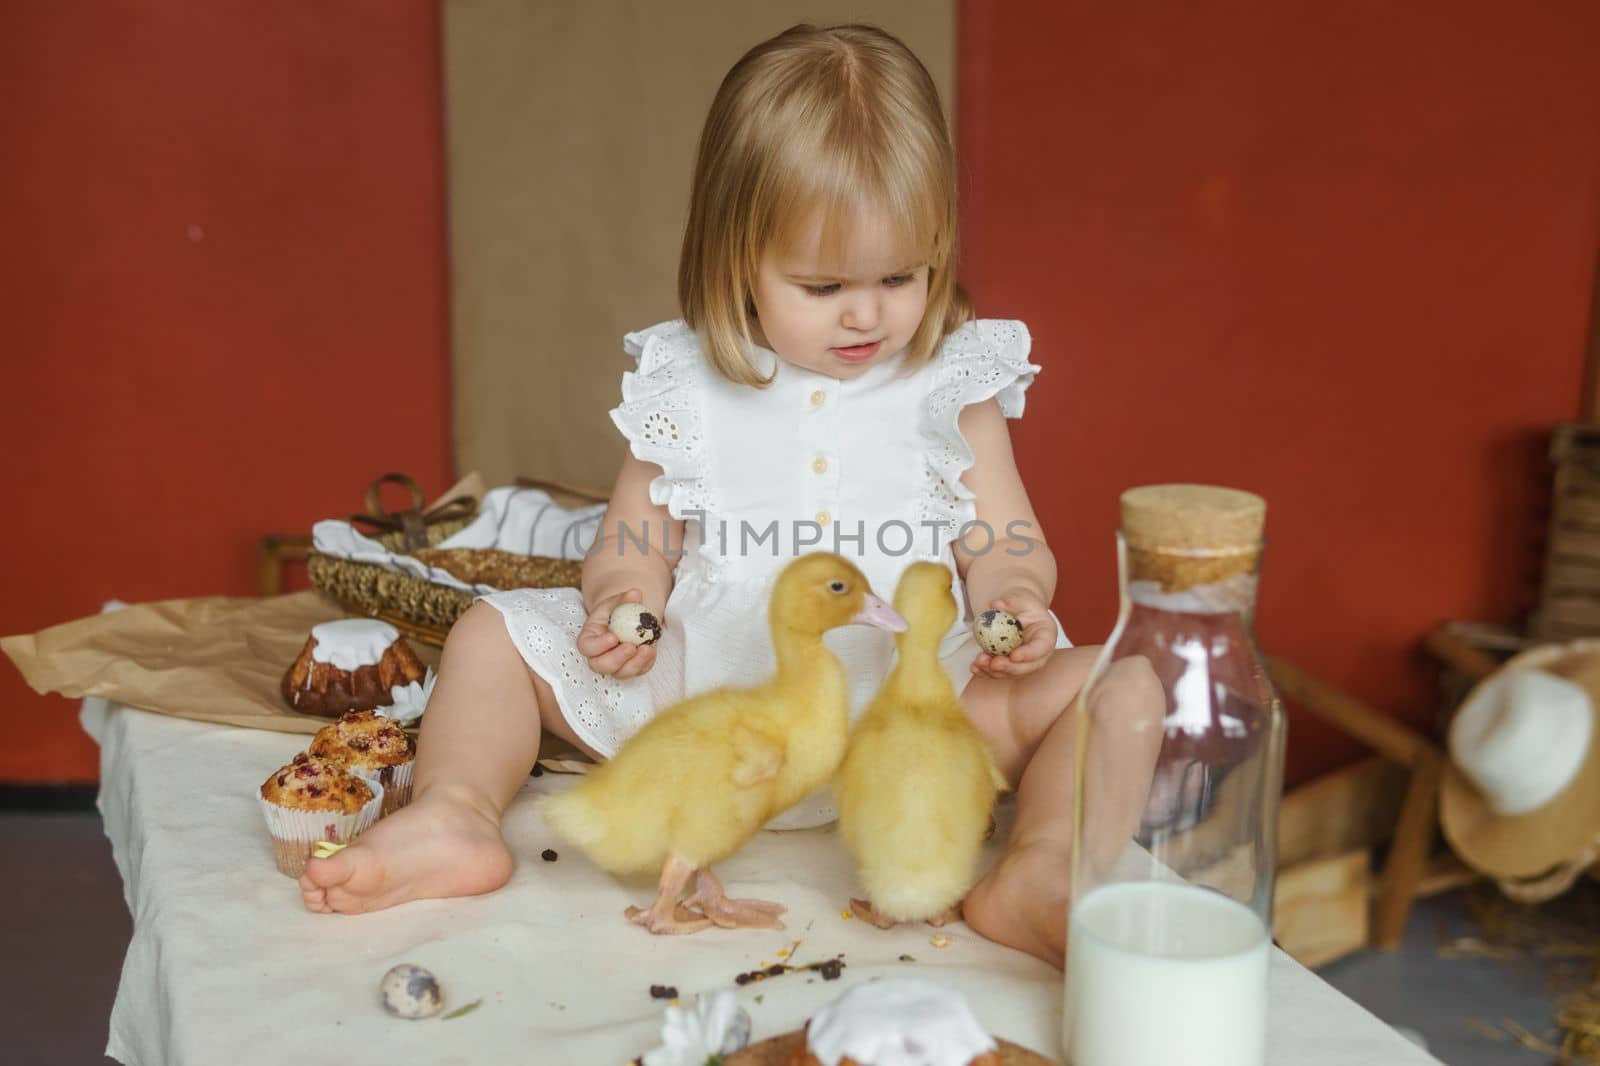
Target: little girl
<point x="826" y="390"/>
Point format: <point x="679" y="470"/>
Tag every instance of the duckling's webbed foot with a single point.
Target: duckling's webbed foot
<point x="666" y="916"/>
<point x="868" y="913"/>
<point x="732" y="913"/>
<point x="680" y="921"/>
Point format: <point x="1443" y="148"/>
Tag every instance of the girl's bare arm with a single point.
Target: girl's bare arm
<point x="628" y="554"/>
<point x="1007" y="552"/>
<point x="1005" y="560"/>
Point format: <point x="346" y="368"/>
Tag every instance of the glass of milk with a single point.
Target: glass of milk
<point x="1165" y="973"/>
<point x="1177" y="780"/>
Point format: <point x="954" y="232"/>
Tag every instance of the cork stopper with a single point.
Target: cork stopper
<point x="1181" y="536"/>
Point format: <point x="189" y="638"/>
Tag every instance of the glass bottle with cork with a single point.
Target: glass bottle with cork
<point x="1179" y="771"/>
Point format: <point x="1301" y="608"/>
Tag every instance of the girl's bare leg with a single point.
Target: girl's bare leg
<point x="479" y="740"/>
<point x="1029" y="724"/>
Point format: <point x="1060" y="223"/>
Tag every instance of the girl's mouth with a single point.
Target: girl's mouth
<point x="857" y="353"/>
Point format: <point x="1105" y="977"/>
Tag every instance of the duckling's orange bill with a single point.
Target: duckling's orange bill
<point x="875" y="612"/>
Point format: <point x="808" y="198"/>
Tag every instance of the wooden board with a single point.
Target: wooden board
<point x="1320" y="908"/>
<point x="1339" y="812"/>
<point x="1415" y="828"/>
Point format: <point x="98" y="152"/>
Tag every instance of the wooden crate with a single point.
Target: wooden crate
<point x="1346" y="875"/>
<point x="1320" y="907"/>
<point x="1569" y="593"/>
<point x="1390" y="801"/>
<point x="1328" y="829"/>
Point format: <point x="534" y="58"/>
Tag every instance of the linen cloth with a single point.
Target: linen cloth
<point x="868" y="467"/>
<point x="226" y="966"/>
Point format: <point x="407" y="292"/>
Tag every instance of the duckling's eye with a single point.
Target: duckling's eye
<point x="836" y="586"/>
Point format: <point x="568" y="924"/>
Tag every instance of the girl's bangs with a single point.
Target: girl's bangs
<point x="846" y="193"/>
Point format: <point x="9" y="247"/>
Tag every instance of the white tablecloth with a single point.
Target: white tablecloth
<point x="226" y="967"/>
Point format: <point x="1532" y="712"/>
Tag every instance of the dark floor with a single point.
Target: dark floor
<point x="1510" y="964"/>
<point x="65" y="918"/>
<point x="67" y="926"/>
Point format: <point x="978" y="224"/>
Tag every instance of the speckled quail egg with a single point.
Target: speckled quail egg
<point x="998" y="632"/>
<point x="634" y="624"/>
<point x="411" y="992"/>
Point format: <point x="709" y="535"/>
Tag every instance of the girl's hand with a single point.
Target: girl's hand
<point x="1038" y="638"/>
<point x="606" y="654"/>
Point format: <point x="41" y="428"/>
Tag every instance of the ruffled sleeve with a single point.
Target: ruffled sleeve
<point x="660" y="415"/>
<point x="981" y="360"/>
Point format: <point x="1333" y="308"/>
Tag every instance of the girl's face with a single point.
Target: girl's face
<point x="841" y="319"/>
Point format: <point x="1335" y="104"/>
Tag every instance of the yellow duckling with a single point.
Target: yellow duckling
<point x="918" y="784"/>
<point x="703" y="776"/>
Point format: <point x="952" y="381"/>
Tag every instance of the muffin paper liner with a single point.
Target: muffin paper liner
<point x="396" y="789"/>
<point x="294" y="832"/>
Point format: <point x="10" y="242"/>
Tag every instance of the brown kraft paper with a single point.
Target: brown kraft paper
<point x="212" y="659"/>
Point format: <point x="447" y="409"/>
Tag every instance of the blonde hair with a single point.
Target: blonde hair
<point x="817" y="120"/>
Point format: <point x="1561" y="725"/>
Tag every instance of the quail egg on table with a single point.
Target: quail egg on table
<point x="411" y="992"/>
<point x="634" y="624"/>
<point x="997" y="632"/>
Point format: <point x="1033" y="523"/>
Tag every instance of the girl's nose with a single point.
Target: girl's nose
<point x="861" y="311"/>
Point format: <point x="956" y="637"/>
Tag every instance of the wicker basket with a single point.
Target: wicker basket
<point x="423" y="610"/>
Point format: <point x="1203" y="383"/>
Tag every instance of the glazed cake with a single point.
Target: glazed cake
<point x="897" y="1021"/>
<point x="350" y="665"/>
<point x="892" y="1022"/>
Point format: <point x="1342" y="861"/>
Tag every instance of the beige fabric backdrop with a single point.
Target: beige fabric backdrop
<point x="571" y="131"/>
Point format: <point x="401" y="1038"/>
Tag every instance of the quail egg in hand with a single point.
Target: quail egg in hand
<point x="997" y="632"/>
<point x="634" y="624"/>
<point x="411" y="992"/>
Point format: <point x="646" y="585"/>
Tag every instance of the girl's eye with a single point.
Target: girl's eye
<point x="896" y="280"/>
<point x="822" y="290"/>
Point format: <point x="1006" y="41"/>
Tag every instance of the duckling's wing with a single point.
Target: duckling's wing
<point x="757" y="757"/>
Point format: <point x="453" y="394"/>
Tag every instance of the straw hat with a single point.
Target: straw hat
<point x="1521" y="796"/>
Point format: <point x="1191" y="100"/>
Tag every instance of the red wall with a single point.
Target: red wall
<point x="1338" y="254"/>
<point x="224" y="299"/>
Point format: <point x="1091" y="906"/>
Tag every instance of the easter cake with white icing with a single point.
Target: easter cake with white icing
<point x="899" y="1022"/>
<point x="353" y="664"/>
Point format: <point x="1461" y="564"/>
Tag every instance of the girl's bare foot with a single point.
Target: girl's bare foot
<point x="1022" y="902"/>
<point x="435" y="848"/>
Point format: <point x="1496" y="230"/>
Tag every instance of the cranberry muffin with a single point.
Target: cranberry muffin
<point x="374" y="747"/>
<point x="313" y="799"/>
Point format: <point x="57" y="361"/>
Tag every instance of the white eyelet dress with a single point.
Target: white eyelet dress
<point x="869" y="467"/>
